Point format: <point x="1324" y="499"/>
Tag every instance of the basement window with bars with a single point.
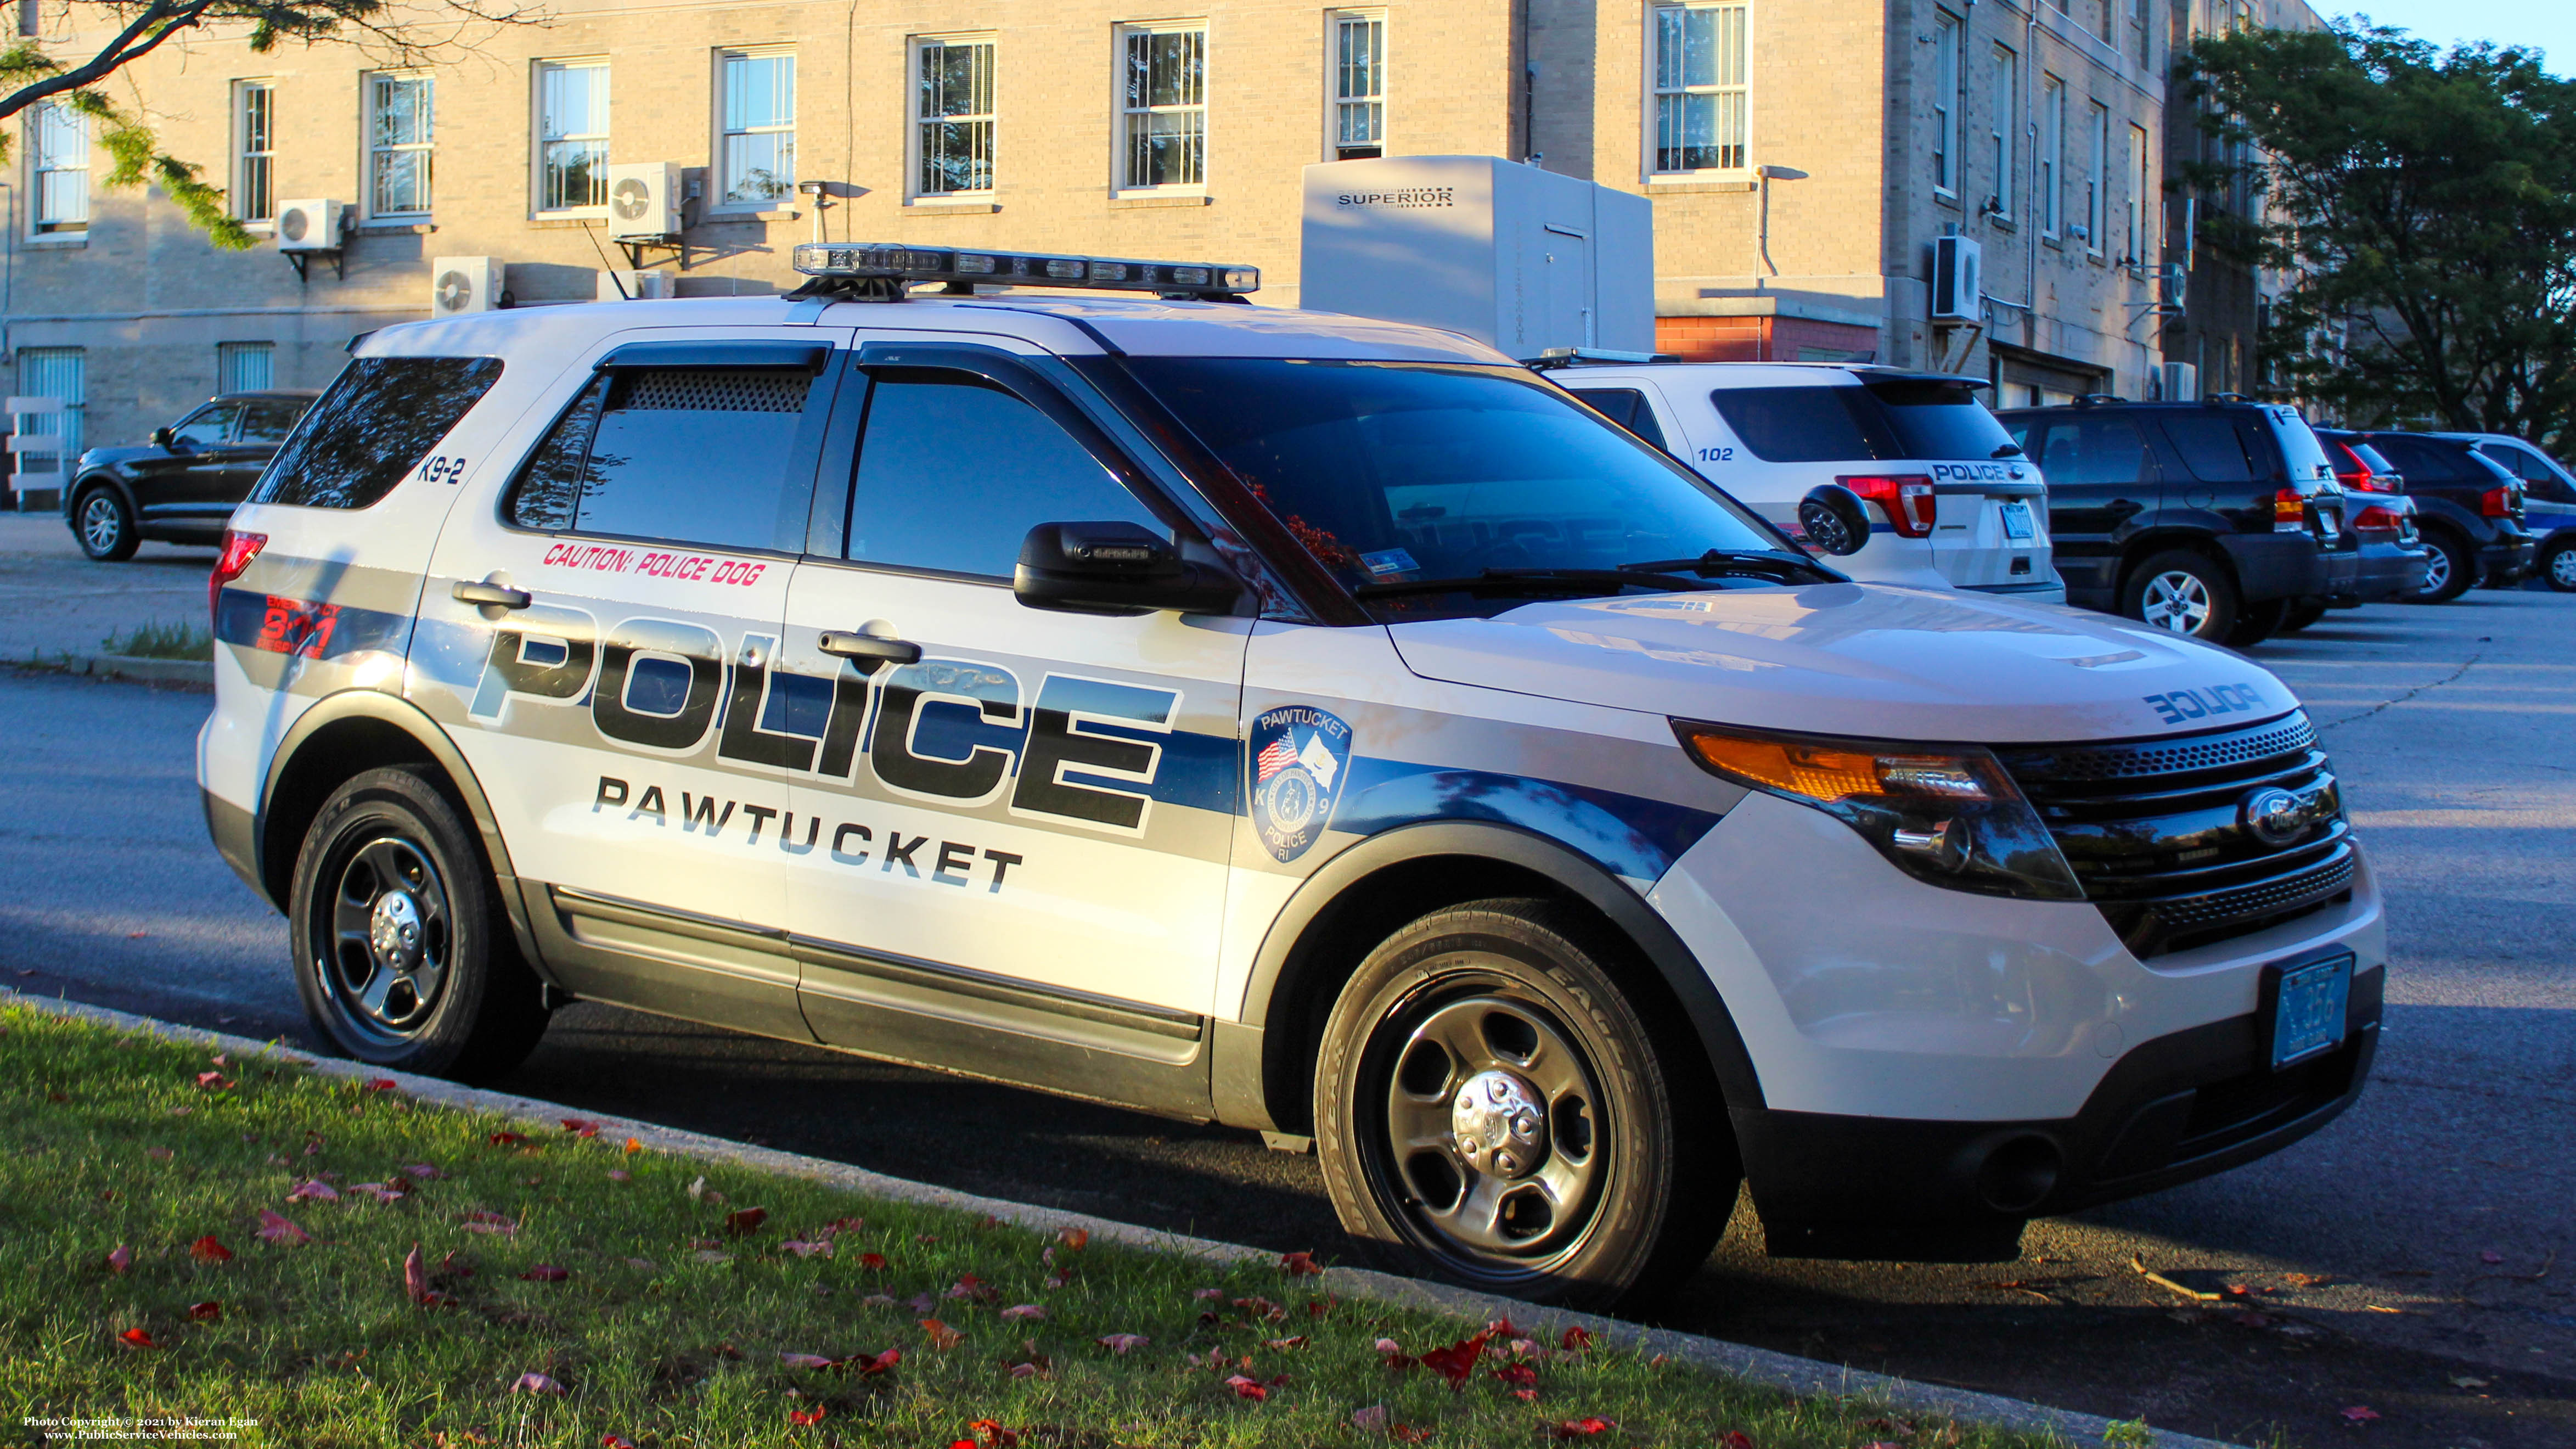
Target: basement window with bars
<point x="1702" y="98"/>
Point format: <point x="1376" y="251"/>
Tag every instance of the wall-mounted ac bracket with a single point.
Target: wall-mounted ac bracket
<point x="636" y="246"/>
<point x="303" y="259"/>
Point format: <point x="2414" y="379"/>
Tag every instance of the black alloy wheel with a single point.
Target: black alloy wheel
<point x="104" y="525"/>
<point x="1491" y="1110"/>
<point x="2451" y="570"/>
<point x="403" y="956"/>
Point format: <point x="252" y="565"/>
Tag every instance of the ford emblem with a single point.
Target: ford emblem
<point x="2276" y="817"/>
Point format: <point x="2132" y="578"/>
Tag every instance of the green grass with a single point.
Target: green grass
<point x="670" y="1326"/>
<point x="161" y="641"/>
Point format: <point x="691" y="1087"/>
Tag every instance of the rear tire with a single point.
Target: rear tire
<point x="403" y="955"/>
<point x="2558" y="567"/>
<point x="104" y="525"/>
<point x="2302" y="614"/>
<point x="2258" y="622"/>
<point x="1491" y="1110"/>
<point x="2451" y="570"/>
<point x="2183" y="593"/>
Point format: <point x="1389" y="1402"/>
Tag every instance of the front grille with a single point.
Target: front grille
<point x="2157" y="831"/>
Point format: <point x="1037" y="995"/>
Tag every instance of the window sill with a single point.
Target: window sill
<point x="746" y="218"/>
<point x="943" y="206"/>
<point x="56" y="242"/>
<point x="398" y="228"/>
<point x="2002" y="223"/>
<point x="260" y="228"/>
<point x="1694" y="185"/>
<point x="2053" y="243"/>
<point x="1949" y="199"/>
<point x="553" y="220"/>
<point x="1136" y="200"/>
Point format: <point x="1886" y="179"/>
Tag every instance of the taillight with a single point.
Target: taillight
<point x="2377" y="517"/>
<point x="1907" y="501"/>
<point x="2356" y="482"/>
<point x="2289" y="511"/>
<point x="2505" y="502"/>
<point x="238" y="550"/>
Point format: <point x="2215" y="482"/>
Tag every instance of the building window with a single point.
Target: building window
<point x="2141" y="197"/>
<point x="58" y="162"/>
<point x="255" y="151"/>
<point x="245" y="366"/>
<point x="55" y="372"/>
<point x="1946" y="30"/>
<point x="759" y="143"/>
<point x="1359" y="87"/>
<point x="1700" y="90"/>
<point x="572" y="134"/>
<point x="398" y="141"/>
<point x="953" y="119"/>
<point x="2097" y="174"/>
<point x="2006" y="112"/>
<point x="2052" y="155"/>
<point x="1165" y="107"/>
<point x="30" y="18"/>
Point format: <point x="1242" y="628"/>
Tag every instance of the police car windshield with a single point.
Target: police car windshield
<point x="1403" y="472"/>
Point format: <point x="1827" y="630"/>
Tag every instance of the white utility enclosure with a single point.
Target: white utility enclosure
<point x="1511" y="255"/>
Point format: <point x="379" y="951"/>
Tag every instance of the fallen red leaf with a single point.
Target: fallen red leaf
<point x="377" y="1084"/>
<point x="1458" y="1360"/>
<point x="1407" y="1434"/>
<point x="275" y="1228"/>
<point x="806" y="1360"/>
<point x="484" y="1220"/>
<point x="878" y="1364"/>
<point x="1075" y="1238"/>
<point x="872" y="1260"/>
<point x="1576" y="1340"/>
<point x="120" y="1258"/>
<point x="634" y="1146"/>
<point x="313" y="1190"/>
<point x="742" y="1222"/>
<point x="1262" y="1308"/>
<point x="1024" y="1310"/>
<point x="1246" y="1388"/>
<point x="992" y="1435"/>
<point x="1284" y="1344"/>
<point x="807" y="1248"/>
<point x="972" y="1288"/>
<point x="207" y="1250"/>
<point x="942" y="1336"/>
<point x="807" y="1417"/>
<point x="209" y="1311"/>
<point x="1517" y="1376"/>
<point x="614" y="1441"/>
<point x="1735" y="1439"/>
<point x="2358" y="1414"/>
<point x="1584" y="1428"/>
<point x="1122" y="1343"/>
<point x="137" y="1338"/>
<point x="213" y="1081"/>
<point x="535" y="1383"/>
<point x="546" y="1273"/>
<point x="416" y="1277"/>
<point x="580" y="1127"/>
<point x="1299" y="1265"/>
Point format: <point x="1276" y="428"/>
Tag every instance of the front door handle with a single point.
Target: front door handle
<point x="869" y="646"/>
<point x="490" y="596"/>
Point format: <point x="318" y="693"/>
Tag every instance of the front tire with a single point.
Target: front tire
<point x="2302" y="614"/>
<point x="104" y="525"/>
<point x="2185" y="593"/>
<point x="2559" y="568"/>
<point x="1492" y="1111"/>
<point x="403" y="955"/>
<point x="2450" y="571"/>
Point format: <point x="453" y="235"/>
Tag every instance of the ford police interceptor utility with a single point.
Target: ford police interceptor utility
<point x="1280" y="719"/>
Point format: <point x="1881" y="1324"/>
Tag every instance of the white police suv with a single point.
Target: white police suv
<point x="1286" y="720"/>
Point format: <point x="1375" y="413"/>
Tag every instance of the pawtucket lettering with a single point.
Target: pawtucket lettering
<point x="954" y="863"/>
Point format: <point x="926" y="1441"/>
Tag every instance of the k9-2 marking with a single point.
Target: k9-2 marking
<point x="441" y="469"/>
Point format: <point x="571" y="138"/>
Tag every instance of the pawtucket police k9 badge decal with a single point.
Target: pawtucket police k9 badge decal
<point x="1300" y="758"/>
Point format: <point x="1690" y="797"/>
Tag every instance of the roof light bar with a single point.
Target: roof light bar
<point x="862" y="261"/>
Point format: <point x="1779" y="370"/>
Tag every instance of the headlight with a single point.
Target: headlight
<point x="1947" y="814"/>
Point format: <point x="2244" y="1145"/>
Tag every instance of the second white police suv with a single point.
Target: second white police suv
<point x="1282" y="719"/>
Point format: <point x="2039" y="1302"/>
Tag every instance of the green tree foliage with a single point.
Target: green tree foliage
<point x="2424" y="203"/>
<point x="96" y="39"/>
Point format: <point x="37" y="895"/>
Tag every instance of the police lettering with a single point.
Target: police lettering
<point x="704" y="818"/>
<point x="2191" y="704"/>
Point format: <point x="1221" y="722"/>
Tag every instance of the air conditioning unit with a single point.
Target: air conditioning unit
<point x="1958" y="280"/>
<point x="2179" y="382"/>
<point x="309" y="226"/>
<point x="2173" y="282"/>
<point x="458" y="285"/>
<point x="622" y="286"/>
<point x="643" y="200"/>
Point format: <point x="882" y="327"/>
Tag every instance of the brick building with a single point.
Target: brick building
<point x="1126" y="129"/>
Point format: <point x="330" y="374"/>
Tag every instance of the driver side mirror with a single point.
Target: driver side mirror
<point x="165" y="437"/>
<point x="1835" y="519"/>
<point x="1116" y="567"/>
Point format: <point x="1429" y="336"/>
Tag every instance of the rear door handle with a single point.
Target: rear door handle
<point x="489" y="595"/>
<point x="869" y="646"/>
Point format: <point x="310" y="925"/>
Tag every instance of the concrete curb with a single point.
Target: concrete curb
<point x="1800" y="1377"/>
<point x="192" y="674"/>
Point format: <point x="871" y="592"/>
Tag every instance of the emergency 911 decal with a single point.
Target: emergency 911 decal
<point x="1300" y="758"/>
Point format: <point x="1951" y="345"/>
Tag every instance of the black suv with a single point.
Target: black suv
<point x="2467" y="506"/>
<point x="2212" y="519"/>
<point x="181" y="486"/>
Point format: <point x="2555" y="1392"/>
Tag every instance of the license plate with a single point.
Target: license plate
<point x="2308" y="1009"/>
<point x="2017" y="520"/>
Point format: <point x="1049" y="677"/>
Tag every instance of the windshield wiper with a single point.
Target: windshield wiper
<point x="1771" y="561"/>
<point x="1532" y="581"/>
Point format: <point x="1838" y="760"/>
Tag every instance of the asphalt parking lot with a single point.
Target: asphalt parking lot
<point x="2417" y="1259"/>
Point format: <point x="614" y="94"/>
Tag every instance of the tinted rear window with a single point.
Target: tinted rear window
<point x="2213" y="448"/>
<point x="702" y="455"/>
<point x="2430" y="460"/>
<point x="380" y="417"/>
<point x="1628" y="408"/>
<point x="1941" y="420"/>
<point x="1806" y="424"/>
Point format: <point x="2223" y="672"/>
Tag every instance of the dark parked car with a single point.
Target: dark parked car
<point x="2390" y="559"/>
<point x="2548" y="502"/>
<point x="2469" y="509"/>
<point x="2206" y="518"/>
<point x="181" y="486"/>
